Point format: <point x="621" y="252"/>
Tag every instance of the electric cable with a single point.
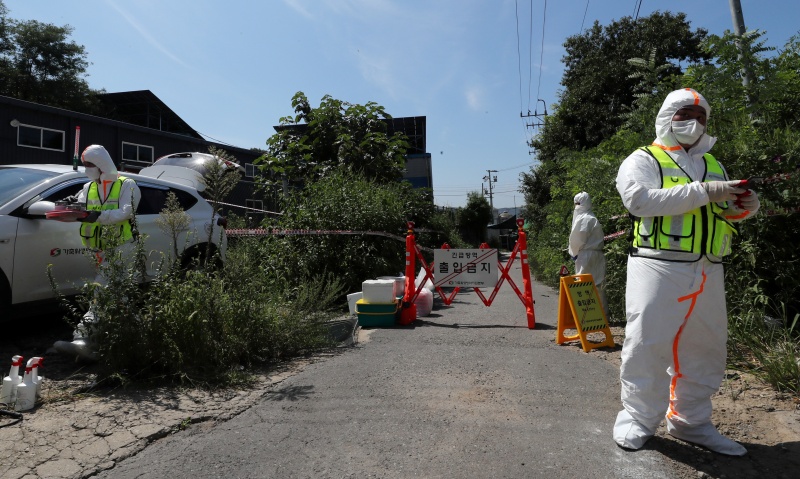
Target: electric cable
<point x="530" y="58"/>
<point x="218" y="141"/>
<point x="515" y="167"/>
<point x="541" y="57"/>
<point x="584" y="15"/>
<point x="519" y="56"/>
<point x="519" y="73"/>
<point x="638" y="7"/>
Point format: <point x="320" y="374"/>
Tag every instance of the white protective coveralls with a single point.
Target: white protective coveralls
<point x="104" y="175"/>
<point x="673" y="356"/>
<point x="586" y="244"/>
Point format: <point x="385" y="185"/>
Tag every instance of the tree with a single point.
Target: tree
<point x="344" y="200"/>
<point x="474" y="218"/>
<point x="604" y="91"/>
<point x="39" y="63"/>
<point x="335" y="134"/>
<point x="597" y="86"/>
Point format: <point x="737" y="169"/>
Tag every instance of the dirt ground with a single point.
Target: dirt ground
<point x="746" y="410"/>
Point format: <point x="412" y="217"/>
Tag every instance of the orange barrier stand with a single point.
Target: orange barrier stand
<point x="413" y="252"/>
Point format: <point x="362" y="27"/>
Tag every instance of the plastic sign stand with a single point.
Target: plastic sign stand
<point x="579" y="308"/>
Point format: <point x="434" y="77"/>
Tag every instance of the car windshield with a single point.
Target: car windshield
<point x="14" y="181"/>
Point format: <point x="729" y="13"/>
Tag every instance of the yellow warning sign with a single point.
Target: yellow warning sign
<point x="579" y="308"/>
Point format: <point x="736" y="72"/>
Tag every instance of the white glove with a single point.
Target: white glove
<point x="748" y="201"/>
<point x="719" y="191"/>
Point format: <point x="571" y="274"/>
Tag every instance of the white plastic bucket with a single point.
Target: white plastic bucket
<point x="351" y="301"/>
<point x="399" y="284"/>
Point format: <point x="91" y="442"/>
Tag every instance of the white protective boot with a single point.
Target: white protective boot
<point x="81" y="346"/>
<point x="630" y="433"/>
<point x="706" y="435"/>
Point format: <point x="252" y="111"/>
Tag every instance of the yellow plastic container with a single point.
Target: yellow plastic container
<point x="376" y="314"/>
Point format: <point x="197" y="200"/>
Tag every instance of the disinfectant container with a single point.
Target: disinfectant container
<point x="8" y="393"/>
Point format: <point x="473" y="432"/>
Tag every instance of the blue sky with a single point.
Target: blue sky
<point x="230" y="69"/>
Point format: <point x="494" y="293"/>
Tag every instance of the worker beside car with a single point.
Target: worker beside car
<point x="110" y="201"/>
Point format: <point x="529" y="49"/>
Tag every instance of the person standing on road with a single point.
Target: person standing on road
<point x="110" y="200"/>
<point x="682" y="204"/>
<point x="586" y="244"/>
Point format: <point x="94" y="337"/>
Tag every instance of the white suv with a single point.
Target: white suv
<point x="29" y="242"/>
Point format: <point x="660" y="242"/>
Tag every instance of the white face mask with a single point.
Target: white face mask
<point x="688" y="132"/>
<point x="93" y="173"/>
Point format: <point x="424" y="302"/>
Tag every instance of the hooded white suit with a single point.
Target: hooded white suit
<point x="586" y="244"/>
<point x="129" y="194"/>
<point x="104" y="175"/>
<point x="674" y="354"/>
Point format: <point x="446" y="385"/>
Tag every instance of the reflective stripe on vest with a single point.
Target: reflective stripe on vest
<point x="91" y="232"/>
<point x="689" y="236"/>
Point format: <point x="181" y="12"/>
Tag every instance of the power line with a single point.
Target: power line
<point x="530" y="58"/>
<point x="637" y="8"/>
<point x="218" y="141"/>
<point x="519" y="56"/>
<point x="584" y="15"/>
<point x="517" y="166"/>
<point x="541" y="57"/>
<point x="519" y="72"/>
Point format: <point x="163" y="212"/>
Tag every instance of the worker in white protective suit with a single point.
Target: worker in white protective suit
<point x="110" y="200"/>
<point x="682" y="204"/>
<point x="586" y="244"/>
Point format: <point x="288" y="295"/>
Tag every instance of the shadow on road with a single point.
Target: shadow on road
<point x="761" y="460"/>
<point x="290" y="393"/>
<point x="422" y="322"/>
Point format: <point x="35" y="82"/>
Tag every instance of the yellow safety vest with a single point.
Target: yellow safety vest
<point x="686" y="237"/>
<point x="91" y="232"/>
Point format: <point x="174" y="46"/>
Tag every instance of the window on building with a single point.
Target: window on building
<point x="250" y="170"/>
<point x="133" y="153"/>
<point x="38" y="137"/>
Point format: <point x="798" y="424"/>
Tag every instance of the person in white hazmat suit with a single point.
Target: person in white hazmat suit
<point x="586" y="244"/>
<point x="111" y="201"/>
<point x="682" y="204"/>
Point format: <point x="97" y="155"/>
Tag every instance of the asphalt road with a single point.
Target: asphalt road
<point x="467" y="392"/>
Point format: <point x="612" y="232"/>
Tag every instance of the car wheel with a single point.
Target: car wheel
<point x="5" y="293"/>
<point x="195" y="256"/>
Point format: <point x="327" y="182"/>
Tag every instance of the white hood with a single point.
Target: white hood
<point x="674" y="102"/>
<point x="583" y="203"/>
<point x="97" y="155"/>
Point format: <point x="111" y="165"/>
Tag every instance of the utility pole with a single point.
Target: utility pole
<point x="738" y="28"/>
<point x="491" y="180"/>
<point x="540" y="117"/>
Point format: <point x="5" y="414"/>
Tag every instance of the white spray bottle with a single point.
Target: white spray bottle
<point x="37" y="380"/>
<point x="8" y="394"/>
<point x="26" y="391"/>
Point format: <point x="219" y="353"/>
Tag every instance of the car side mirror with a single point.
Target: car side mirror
<point x="40" y="208"/>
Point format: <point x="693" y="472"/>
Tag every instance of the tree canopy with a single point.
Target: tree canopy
<point x="474" y="217"/>
<point x="39" y="63"/>
<point x="336" y="135"/>
<point x="597" y="84"/>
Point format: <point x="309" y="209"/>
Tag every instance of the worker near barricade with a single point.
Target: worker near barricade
<point x="682" y="205"/>
<point x="586" y="244"/>
<point x="110" y="201"/>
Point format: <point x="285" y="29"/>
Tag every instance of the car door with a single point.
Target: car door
<point x="41" y="242"/>
<point x="158" y="242"/>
